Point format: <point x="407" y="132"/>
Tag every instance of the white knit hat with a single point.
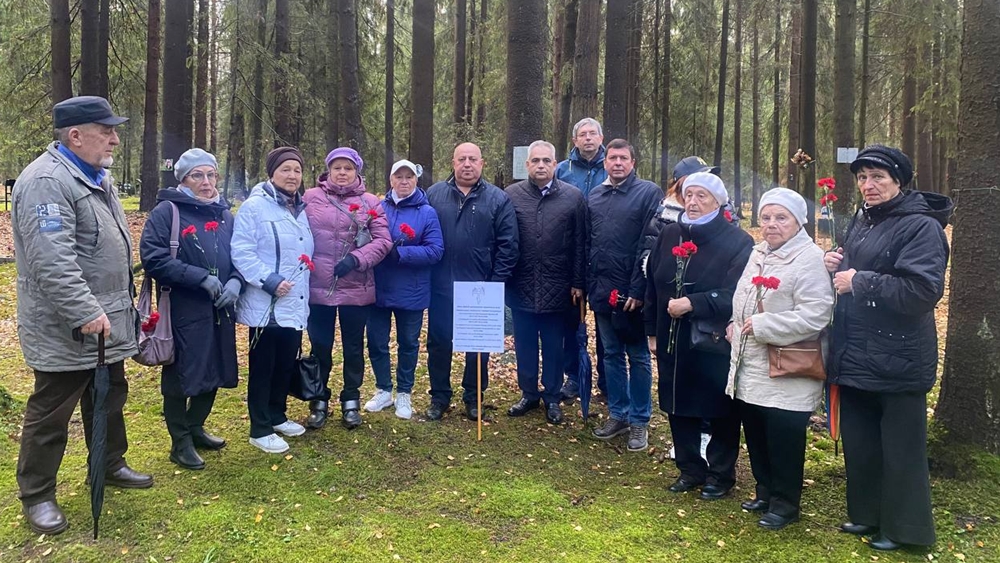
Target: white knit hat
<point x="789" y="199"/>
<point x="710" y="182"/>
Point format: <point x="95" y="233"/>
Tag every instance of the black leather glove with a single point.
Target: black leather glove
<point x="393" y="256"/>
<point x="212" y="286"/>
<point x="345" y="266"/>
<point x="230" y="293"/>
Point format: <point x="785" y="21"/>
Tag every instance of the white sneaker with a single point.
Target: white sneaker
<point x="381" y="400"/>
<point x="272" y="444"/>
<point x="403" y="407"/>
<point x="705" y="439"/>
<point x="289" y="428"/>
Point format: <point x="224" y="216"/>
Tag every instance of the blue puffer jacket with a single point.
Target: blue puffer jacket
<point x="407" y="284"/>
<point x="584" y="174"/>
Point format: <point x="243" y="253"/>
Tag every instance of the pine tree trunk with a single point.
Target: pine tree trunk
<point x="481" y="62"/>
<point x="810" y="9"/>
<point x="665" y="99"/>
<point x="738" y="111"/>
<point x="909" y="144"/>
<point x="473" y="79"/>
<point x="968" y="409"/>
<point x="587" y="52"/>
<point x="257" y="111"/>
<point x="62" y="82"/>
<point x="720" y="108"/>
<point x="634" y="70"/>
<point x="390" y="82"/>
<point x="925" y="140"/>
<point x="332" y="128"/>
<point x="213" y="78"/>
<point x="527" y="44"/>
<point x="794" y="92"/>
<point x="460" y="62"/>
<point x="103" y="43"/>
<point x="865" y="76"/>
<point x="616" y="67"/>
<point x="90" y="21"/>
<point x="757" y="186"/>
<point x="564" y="72"/>
<point x="189" y="75"/>
<point x="776" y="111"/>
<point x="656" y="155"/>
<point x="236" y="146"/>
<point x="422" y="89"/>
<point x="175" y="35"/>
<point x="284" y="129"/>
<point x="150" y="156"/>
<point x="843" y="108"/>
<point x="350" y="81"/>
<point x="201" y="86"/>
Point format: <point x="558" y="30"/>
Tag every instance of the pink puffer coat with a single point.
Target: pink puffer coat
<point x="334" y="227"/>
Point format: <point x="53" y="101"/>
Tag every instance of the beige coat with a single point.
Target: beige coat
<point x="799" y="309"/>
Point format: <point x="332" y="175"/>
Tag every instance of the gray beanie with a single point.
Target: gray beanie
<point x="790" y="200"/>
<point x="192" y="159"/>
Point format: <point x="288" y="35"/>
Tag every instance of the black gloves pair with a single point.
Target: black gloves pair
<point x="345" y="266"/>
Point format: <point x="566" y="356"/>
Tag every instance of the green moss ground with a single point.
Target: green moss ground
<point x="397" y="490"/>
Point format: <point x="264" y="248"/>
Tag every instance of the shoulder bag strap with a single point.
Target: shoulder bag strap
<point x="175" y="230"/>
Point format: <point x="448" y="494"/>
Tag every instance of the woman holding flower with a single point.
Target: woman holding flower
<point x="783" y="297"/>
<point x="351" y="238"/>
<point x="204" y="285"/>
<point x="693" y="269"/>
<point x="271" y="237"/>
<point x="402" y="287"/>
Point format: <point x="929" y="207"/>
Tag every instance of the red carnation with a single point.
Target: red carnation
<point x="679" y="252"/>
<point x="308" y="263"/>
<point x="154" y="318"/>
<point x="757" y="281"/>
<point x="372" y="213"/>
<point x="771" y="283"/>
<point x="613" y="298"/>
<point x="353" y="207"/>
<point x="828" y="184"/>
<point x="189" y="230"/>
<point x="407" y="231"/>
<point x="691" y="247"/>
<point x="212" y="226"/>
<point x="728" y="215"/>
<point x="827" y="199"/>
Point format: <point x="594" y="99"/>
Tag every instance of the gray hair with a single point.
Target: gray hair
<point x="544" y="144"/>
<point x="588" y="121"/>
<point x="62" y="134"/>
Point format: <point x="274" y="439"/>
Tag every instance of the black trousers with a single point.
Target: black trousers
<point x="776" y="442"/>
<point x="46" y="421"/>
<point x="322" y="324"/>
<point x="529" y="328"/>
<point x="186" y="414"/>
<point x="885" y="453"/>
<point x="272" y="361"/>
<point x="439" y="351"/>
<point x="723" y="449"/>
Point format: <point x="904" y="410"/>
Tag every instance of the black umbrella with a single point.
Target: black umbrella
<point x="99" y="434"/>
<point x="585" y="372"/>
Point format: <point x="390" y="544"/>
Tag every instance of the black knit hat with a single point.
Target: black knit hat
<point x="890" y="159"/>
<point x="279" y="155"/>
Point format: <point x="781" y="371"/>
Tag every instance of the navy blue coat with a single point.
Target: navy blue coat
<point x="406" y="284"/>
<point x="584" y="174"/>
<point x="204" y="338"/>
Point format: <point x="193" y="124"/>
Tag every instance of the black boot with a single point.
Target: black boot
<point x="318" y="411"/>
<point x="206" y="441"/>
<point x="184" y="455"/>
<point x="351" y="417"/>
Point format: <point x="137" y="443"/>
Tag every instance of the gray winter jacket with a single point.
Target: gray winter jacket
<point x="73" y="252"/>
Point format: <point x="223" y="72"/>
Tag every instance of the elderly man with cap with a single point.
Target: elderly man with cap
<point x="74" y="274"/>
<point x="685" y="329"/>
<point x="351" y="235"/>
<point x="402" y="287"/>
<point x="479" y="229"/>
<point x="204" y="285"/>
<point x="775" y="411"/>
<point x="270" y="237"/>
<point x="889" y="275"/>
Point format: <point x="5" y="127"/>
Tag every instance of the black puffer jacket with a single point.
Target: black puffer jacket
<point x="884" y="337"/>
<point x="618" y="217"/>
<point x="552" y="235"/>
<point x="479" y="232"/>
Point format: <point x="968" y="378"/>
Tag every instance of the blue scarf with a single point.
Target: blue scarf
<point x="95" y="175"/>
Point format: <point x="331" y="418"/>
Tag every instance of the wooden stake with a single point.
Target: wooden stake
<point x="479" y="396"/>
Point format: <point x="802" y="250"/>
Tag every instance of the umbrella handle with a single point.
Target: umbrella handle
<point x="100" y="348"/>
<point x="583" y="310"/>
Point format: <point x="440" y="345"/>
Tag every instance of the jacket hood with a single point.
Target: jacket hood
<point x="912" y="202"/>
<point x="416" y="199"/>
<point x="175" y="195"/>
<point x="575" y="158"/>
<point x="343" y="191"/>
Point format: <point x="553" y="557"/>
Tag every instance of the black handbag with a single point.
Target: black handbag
<point x="306" y="384"/>
<point x="710" y="337"/>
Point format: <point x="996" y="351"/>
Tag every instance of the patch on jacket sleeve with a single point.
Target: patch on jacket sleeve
<point x="50" y="224"/>
<point x="47" y="210"/>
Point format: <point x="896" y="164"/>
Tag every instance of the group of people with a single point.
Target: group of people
<point x="666" y="273"/>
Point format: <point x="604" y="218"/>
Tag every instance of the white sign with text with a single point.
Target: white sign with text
<point x="478" y="317"/>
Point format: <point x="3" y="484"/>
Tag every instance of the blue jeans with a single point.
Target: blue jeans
<point x="529" y="327"/>
<point x="629" y="390"/>
<point x="408" y="325"/>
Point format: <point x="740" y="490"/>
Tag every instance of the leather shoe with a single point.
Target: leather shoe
<point x="554" y="414"/>
<point x="318" y="413"/>
<point x="206" y="441"/>
<point x="858" y="529"/>
<point x="523" y="407"/>
<point x="772" y="521"/>
<point x="436" y="411"/>
<point x="713" y="492"/>
<point x="45" y="518"/>
<point x="471" y="412"/>
<point x="186" y="457"/>
<point x="128" y="478"/>
<point x="682" y="485"/>
<point x="882" y="543"/>
<point x="755" y="505"/>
